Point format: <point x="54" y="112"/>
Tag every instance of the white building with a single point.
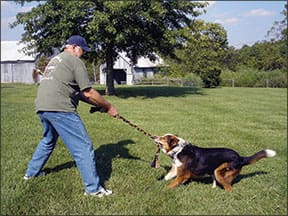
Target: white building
<point x="16" y="67"/>
<point x="127" y="73"/>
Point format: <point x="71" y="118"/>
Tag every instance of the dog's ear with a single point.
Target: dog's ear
<point x="172" y="140"/>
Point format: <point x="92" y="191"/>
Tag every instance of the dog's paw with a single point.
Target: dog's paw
<point x="166" y="178"/>
<point x="169" y="176"/>
<point x="214" y="183"/>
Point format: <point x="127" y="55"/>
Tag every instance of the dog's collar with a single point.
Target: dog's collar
<point x="177" y="149"/>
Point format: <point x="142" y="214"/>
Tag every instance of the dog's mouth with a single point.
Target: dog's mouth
<point x="158" y="143"/>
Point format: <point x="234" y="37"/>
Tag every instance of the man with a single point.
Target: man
<point x="65" y="82"/>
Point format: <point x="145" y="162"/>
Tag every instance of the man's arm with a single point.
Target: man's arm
<point x="91" y="96"/>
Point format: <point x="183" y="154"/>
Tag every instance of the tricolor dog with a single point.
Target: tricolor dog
<point x="191" y="162"/>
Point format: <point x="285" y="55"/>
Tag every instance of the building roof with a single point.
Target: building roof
<point x="11" y="51"/>
<point x="143" y="62"/>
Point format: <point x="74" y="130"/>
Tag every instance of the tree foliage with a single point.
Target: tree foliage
<point x="144" y="27"/>
<point x="279" y="29"/>
<point x="203" y="52"/>
<point x="266" y="55"/>
<point x="259" y="56"/>
<point x="138" y="27"/>
<point x="48" y="25"/>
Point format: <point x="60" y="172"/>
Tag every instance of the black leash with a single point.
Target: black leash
<point x="155" y="163"/>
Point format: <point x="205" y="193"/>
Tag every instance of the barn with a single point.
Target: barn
<point x="16" y="67"/>
<point x="127" y="73"/>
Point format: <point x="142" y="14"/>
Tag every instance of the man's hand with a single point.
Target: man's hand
<point x="112" y="111"/>
<point x="93" y="97"/>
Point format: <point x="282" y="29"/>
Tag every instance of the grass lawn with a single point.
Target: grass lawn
<point x="245" y="119"/>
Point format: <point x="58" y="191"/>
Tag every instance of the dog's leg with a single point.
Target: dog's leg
<point x="179" y="180"/>
<point x="182" y="177"/>
<point x="230" y="175"/>
<point x="219" y="174"/>
<point x="225" y="175"/>
<point x="171" y="174"/>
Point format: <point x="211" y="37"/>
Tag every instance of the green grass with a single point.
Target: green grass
<point x="244" y="119"/>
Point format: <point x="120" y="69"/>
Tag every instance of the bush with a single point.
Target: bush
<point x="211" y="77"/>
<point x="277" y="79"/>
<point x="248" y="77"/>
<point x="192" y="80"/>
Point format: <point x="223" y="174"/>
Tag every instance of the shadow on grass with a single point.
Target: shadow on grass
<point x="248" y="175"/>
<point x="209" y="180"/>
<point x="58" y="168"/>
<point x="104" y="156"/>
<point x="154" y="91"/>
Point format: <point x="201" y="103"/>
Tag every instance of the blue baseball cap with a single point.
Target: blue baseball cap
<point x="79" y="41"/>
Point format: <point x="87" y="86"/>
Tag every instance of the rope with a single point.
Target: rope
<point x="155" y="163"/>
<point x="137" y="128"/>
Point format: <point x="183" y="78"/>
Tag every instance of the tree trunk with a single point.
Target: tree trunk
<point x="94" y="71"/>
<point x="110" y="90"/>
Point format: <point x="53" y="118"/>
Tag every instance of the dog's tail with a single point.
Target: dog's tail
<point x="267" y="153"/>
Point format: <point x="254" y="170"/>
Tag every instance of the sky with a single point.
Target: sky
<point x="246" y="22"/>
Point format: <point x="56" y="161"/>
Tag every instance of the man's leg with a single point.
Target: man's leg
<point x="74" y="134"/>
<point x="44" y="148"/>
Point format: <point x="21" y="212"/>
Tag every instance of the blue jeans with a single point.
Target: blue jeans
<point x="71" y="129"/>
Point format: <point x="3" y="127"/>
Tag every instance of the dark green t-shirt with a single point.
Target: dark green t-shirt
<point x="64" y="77"/>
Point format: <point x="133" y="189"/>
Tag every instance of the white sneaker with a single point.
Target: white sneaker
<point x="102" y="192"/>
<point x="26" y="177"/>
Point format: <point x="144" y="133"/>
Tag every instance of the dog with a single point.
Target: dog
<point x="193" y="162"/>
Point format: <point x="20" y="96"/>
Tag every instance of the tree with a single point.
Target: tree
<point x="138" y="27"/>
<point x="279" y="34"/>
<point x="279" y="29"/>
<point x="231" y="59"/>
<point x="203" y="52"/>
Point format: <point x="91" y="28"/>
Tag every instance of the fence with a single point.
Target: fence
<point x="165" y="81"/>
<point x="265" y="83"/>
